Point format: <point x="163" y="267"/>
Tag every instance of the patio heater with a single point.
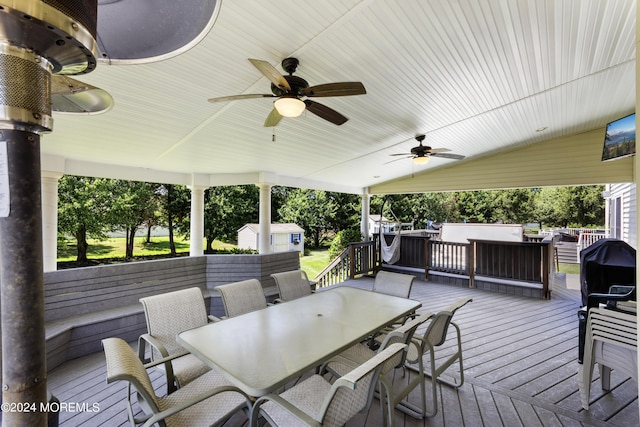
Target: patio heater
<point x="42" y="42"/>
<point x="39" y="39"/>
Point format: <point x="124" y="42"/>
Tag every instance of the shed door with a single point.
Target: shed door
<point x="281" y="242"/>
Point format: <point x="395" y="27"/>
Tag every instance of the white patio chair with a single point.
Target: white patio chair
<point x="209" y="400"/>
<point x="242" y="297"/>
<point x="611" y="342"/>
<point x="434" y="336"/>
<point x="360" y="353"/>
<point x="317" y="402"/>
<point x="396" y="284"/>
<point x="167" y="315"/>
<point x="292" y="285"/>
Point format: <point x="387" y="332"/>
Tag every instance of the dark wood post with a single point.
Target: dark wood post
<point x="24" y="370"/>
<point x="352" y="261"/>
<point x="427" y="258"/>
<point x="471" y="263"/>
<point x="546" y="268"/>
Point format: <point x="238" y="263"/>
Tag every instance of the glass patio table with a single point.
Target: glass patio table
<point x="263" y="350"/>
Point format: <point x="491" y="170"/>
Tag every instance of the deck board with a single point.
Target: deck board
<point x="520" y="359"/>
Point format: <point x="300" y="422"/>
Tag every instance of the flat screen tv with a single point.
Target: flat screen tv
<point x="620" y="138"/>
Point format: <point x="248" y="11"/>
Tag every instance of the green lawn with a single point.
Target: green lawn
<point x="315" y="262"/>
<point x="115" y="247"/>
<point x="569" y="268"/>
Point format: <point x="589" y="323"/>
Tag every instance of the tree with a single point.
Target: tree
<point x="279" y="196"/>
<point x="545" y="209"/>
<point x="435" y="207"/>
<point x="342" y="240"/>
<point x="83" y="205"/>
<point x="175" y="207"/>
<point x="514" y="206"/>
<point x="475" y="206"/>
<point x="565" y="206"/>
<point x="310" y="209"/>
<point x="587" y="206"/>
<point x="347" y="213"/>
<point x="227" y="209"/>
<point x="132" y="204"/>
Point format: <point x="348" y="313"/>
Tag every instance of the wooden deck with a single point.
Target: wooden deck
<point x="520" y="357"/>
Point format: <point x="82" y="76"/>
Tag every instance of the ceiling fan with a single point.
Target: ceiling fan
<point x="422" y="153"/>
<point x="289" y="90"/>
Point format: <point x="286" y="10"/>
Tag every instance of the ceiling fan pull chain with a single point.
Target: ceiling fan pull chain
<point x="273" y="134"/>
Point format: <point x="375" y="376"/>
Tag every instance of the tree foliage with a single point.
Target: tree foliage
<point x="570" y="206"/>
<point x="342" y="240"/>
<point x="92" y="207"/>
<point x="83" y="205"/>
<point x="133" y="203"/>
<point x="227" y="209"/>
<point x="310" y="209"/>
<point x="175" y="204"/>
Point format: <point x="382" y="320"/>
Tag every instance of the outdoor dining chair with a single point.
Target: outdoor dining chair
<point x="209" y="400"/>
<point x="292" y="285"/>
<point x="361" y="353"/>
<point x="242" y="297"/>
<point x="167" y="315"/>
<point x="317" y="402"/>
<point x="396" y="284"/>
<point x="434" y="336"/>
<point x="611" y="342"/>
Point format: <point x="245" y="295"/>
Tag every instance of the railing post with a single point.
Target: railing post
<point x="427" y="258"/>
<point x="352" y="262"/>
<point x="546" y="269"/>
<point x="471" y="263"/>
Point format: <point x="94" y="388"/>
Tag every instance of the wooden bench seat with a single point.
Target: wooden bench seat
<point x="85" y="305"/>
<point x="80" y="335"/>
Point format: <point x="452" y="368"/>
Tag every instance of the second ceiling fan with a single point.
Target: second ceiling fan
<point x="290" y="90"/>
<point x="421" y="154"/>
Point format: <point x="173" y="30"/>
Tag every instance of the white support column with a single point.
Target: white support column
<point x="264" y="228"/>
<point x="196" y="243"/>
<point x="49" y="189"/>
<point x="364" y="216"/>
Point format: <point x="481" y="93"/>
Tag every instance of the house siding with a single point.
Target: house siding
<point x="627" y="194"/>
<point x="573" y="160"/>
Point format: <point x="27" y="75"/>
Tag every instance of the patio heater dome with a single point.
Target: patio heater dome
<point x="141" y="31"/>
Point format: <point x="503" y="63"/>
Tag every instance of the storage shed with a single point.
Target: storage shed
<point x="284" y="237"/>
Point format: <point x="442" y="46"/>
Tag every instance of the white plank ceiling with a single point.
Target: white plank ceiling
<point x="475" y="76"/>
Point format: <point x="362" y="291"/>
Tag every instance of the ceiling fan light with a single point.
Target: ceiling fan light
<point x="421" y="160"/>
<point x="289" y="106"/>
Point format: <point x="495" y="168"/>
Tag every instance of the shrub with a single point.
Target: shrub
<point x="342" y="239"/>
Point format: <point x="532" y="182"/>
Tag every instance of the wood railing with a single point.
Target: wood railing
<point x="526" y="266"/>
<point x="449" y="257"/>
<point x="356" y="259"/>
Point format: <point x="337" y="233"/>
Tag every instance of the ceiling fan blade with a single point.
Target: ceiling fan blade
<point x="395" y="160"/>
<point x="439" y="150"/>
<point x="448" y="156"/>
<point x="325" y="112"/>
<point x="401" y="154"/>
<point x="75" y="97"/>
<point x="335" y="89"/>
<point x="271" y="73"/>
<point x="273" y="118"/>
<point x="237" y="97"/>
